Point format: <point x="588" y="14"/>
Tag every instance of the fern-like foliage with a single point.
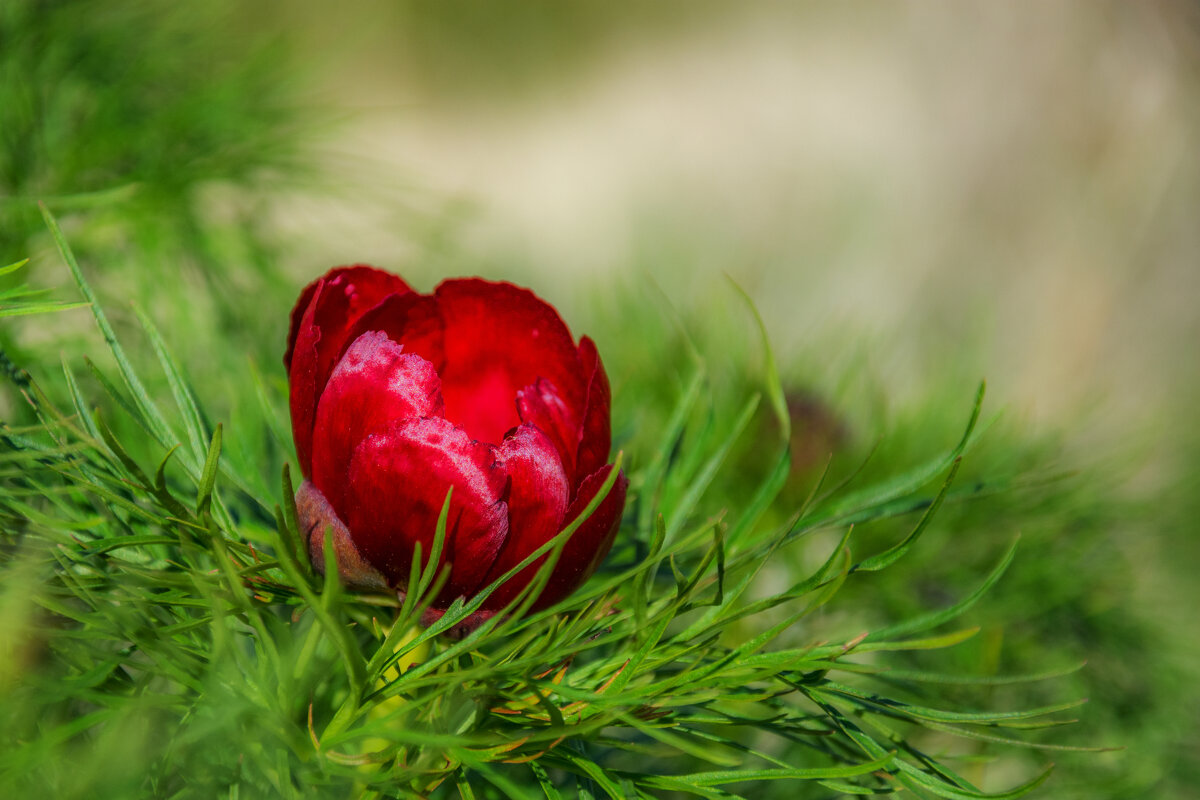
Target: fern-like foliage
<point x="169" y="638"/>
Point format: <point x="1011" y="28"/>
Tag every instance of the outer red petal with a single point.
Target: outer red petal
<point x="541" y="405"/>
<point x="374" y="386"/>
<point x="397" y="483"/>
<point x="596" y="439"/>
<point x="298" y="310"/>
<point x="498" y="339"/>
<point x="537" y="501"/>
<point x="588" y="546"/>
<point x="320" y="328"/>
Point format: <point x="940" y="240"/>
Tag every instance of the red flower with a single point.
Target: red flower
<point x="398" y="396"/>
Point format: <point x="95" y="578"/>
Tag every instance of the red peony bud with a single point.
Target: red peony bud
<point x="397" y="396"/>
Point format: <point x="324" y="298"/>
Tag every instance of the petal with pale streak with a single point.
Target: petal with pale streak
<point x="374" y="386"/>
<point x="396" y="486"/>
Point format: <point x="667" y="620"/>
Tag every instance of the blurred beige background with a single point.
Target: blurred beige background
<point x="1018" y="180"/>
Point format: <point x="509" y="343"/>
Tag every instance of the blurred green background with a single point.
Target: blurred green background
<point x="915" y="196"/>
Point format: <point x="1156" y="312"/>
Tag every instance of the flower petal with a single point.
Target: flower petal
<point x="396" y="485"/>
<point x="294" y="325"/>
<point x="320" y="328"/>
<point x="375" y="385"/>
<point x="498" y="339"/>
<point x="540" y="405"/>
<point x="411" y="320"/>
<point x="588" y="546"/>
<point x="317" y="519"/>
<point x="596" y="438"/>
<point x="537" y="501"/>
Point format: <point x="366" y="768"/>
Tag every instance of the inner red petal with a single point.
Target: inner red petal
<point x="483" y="403"/>
<point x="540" y="405"/>
<point x="497" y="339"/>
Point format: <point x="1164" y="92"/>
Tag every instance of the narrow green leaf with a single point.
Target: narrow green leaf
<point x="548" y="788"/>
<point x="968" y="733"/>
<point x="208" y="477"/>
<point x="13" y="267"/>
<point x="126" y="461"/>
<point x="654" y="472"/>
<point x="737" y="776"/>
<point x="925" y="643"/>
<point x="696" y="488"/>
<point x="37" y="308"/>
<point x="193" y="425"/>
<point x="163" y="492"/>
<point x="439" y="541"/>
<point x="943" y="789"/>
<point x="81" y="407"/>
<point x="977" y="680"/>
<point x="590" y="769"/>
<point x="147" y="410"/>
<point x="463" y="784"/>
<point x="124" y="402"/>
<point x="891" y="555"/>
<point x="897" y="487"/>
<point x="933" y="619"/>
<point x="674" y="737"/>
<point x="940" y="715"/>
<point x="774" y="384"/>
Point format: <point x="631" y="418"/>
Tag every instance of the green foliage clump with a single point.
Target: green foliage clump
<point x="133" y="108"/>
<point x="170" y="621"/>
